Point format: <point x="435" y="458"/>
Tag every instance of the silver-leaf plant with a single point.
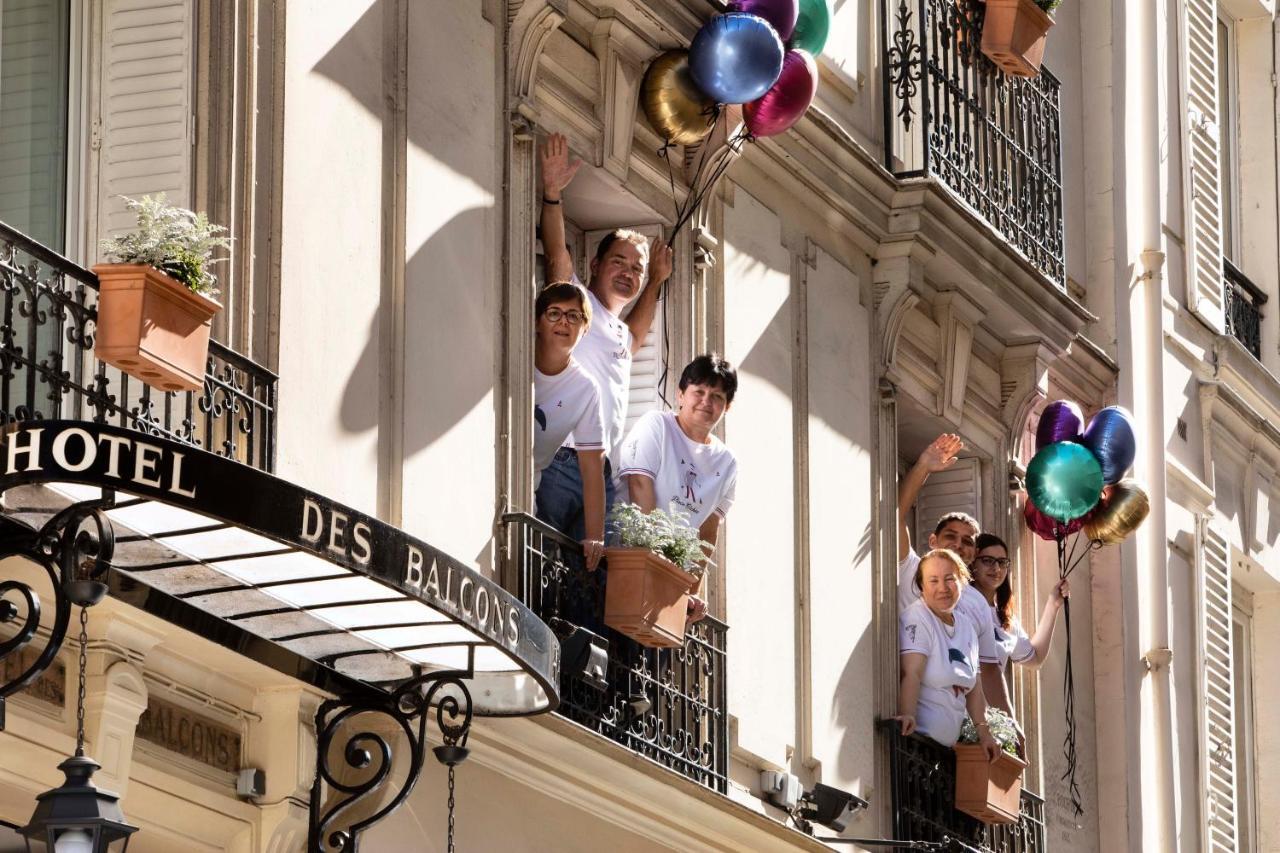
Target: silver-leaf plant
<point x="665" y="533"/>
<point x="172" y="239"/>
<point x="1003" y="730"/>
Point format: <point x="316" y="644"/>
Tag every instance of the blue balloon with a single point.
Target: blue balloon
<point x="1111" y="437"/>
<point x="735" y="58"/>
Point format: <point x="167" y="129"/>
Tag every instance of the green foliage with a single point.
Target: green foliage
<point x="173" y="240"/>
<point x="665" y="533"/>
<point x="1002" y="729"/>
<point x="1048" y="5"/>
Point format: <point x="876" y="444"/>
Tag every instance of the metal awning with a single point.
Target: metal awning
<point x="279" y="573"/>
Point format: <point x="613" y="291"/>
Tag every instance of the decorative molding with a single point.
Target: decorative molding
<point x="621" y="52"/>
<point x="1024" y="385"/>
<point x="529" y="24"/>
<point x="897" y="280"/>
<point x="956" y="315"/>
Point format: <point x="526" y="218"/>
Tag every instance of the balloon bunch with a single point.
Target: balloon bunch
<point x="1075" y="484"/>
<point x="736" y="58"/>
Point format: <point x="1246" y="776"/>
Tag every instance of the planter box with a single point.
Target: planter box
<point x="151" y="327"/>
<point x="1013" y="35"/>
<point x="990" y="792"/>
<point x="646" y="597"/>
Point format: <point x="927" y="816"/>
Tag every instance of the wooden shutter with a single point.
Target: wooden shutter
<point x="144" y="117"/>
<point x="1201" y="180"/>
<point x="1217" y="706"/>
<point x="957" y="489"/>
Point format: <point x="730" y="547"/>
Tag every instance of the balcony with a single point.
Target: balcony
<point x="991" y="140"/>
<point x="1243" y="304"/>
<point x="47" y="369"/>
<point x="667" y="705"/>
<point x="923" y="781"/>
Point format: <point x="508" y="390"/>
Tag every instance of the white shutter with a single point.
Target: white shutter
<point x="144" y="118"/>
<point x="1217" y="710"/>
<point x="1201" y="179"/>
<point x="957" y="489"/>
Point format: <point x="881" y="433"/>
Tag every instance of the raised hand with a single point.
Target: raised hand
<point x="660" y="256"/>
<point x="941" y="454"/>
<point x="558" y="168"/>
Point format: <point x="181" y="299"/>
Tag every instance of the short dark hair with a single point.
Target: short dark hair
<point x="711" y="369"/>
<point x="626" y="235"/>
<point x="563" y="291"/>
<point x="962" y="517"/>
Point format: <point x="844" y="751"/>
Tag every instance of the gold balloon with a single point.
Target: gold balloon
<point x="672" y="103"/>
<point x="1119" y="514"/>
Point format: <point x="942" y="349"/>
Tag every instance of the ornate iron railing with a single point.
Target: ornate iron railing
<point x="1244" y="301"/>
<point x="991" y="139"/>
<point x="923" y="775"/>
<point x="47" y="368"/>
<point x="685" y="724"/>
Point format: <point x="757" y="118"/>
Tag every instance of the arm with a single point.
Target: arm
<point x="591" y="467"/>
<point x="642" y="313"/>
<point x="938" y="456"/>
<point x="994" y="690"/>
<point x="557" y="172"/>
<point x="640" y="489"/>
<point x="708" y="532"/>
<point x="976" y="704"/>
<point x="1048" y="621"/>
<point x="912" y="665"/>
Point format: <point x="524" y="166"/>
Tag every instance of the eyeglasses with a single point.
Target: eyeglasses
<point x="1002" y="562"/>
<point x="574" y="316"/>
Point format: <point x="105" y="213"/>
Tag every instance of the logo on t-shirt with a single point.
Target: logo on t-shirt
<point x="540" y="416"/>
<point x="911" y="632"/>
<point x="690" y="480"/>
<point x="957" y="656"/>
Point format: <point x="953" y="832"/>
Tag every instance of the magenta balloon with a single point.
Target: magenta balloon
<point x="1049" y="528"/>
<point x="783" y="105"/>
<point x="781" y="14"/>
<point x="1062" y="420"/>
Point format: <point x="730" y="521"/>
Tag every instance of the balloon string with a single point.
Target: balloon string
<point x="1068" y="682"/>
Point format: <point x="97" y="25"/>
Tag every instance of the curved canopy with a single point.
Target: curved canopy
<point x="280" y="572"/>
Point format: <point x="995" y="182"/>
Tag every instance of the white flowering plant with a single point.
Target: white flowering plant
<point x="665" y="533"/>
<point x="1002" y="726"/>
<point x="172" y="239"/>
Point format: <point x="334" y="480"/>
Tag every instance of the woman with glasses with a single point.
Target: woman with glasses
<point x="566" y="401"/>
<point x="990" y="571"/>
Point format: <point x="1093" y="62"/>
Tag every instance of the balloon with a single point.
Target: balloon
<point x="1110" y="436"/>
<point x="1064" y="481"/>
<point x="1119" y="514"/>
<point x="812" y="26"/>
<point x="1045" y="527"/>
<point x="735" y="58"/>
<point x="1062" y="420"/>
<point x="781" y="14"/>
<point x="673" y="105"/>
<point x="783" y="105"/>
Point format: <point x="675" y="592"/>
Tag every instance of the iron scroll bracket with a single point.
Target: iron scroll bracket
<point x="74" y="546"/>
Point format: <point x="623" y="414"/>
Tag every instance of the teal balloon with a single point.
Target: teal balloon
<point x="812" y="26"/>
<point x="1064" y="481"/>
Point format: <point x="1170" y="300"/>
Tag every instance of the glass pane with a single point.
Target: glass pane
<point x="1226" y="119"/>
<point x="33" y="118"/>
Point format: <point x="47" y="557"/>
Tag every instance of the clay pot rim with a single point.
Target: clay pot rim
<point x="1003" y="757"/>
<point x="155" y="274"/>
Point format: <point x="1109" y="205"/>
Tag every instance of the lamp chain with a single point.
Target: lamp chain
<point x="451" y="847"/>
<point x="84" y="661"/>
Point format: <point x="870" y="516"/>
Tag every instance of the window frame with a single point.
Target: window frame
<point x="1228" y="135"/>
<point x="1245" y="740"/>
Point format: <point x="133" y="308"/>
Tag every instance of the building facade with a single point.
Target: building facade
<point x="934" y="248"/>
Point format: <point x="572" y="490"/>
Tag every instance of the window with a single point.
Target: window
<point x="1226" y="96"/>
<point x="1242" y="694"/>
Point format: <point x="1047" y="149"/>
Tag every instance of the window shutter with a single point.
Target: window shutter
<point x="144" y="116"/>
<point x="1201" y="179"/>
<point x="1217" y="707"/>
<point x="957" y="489"/>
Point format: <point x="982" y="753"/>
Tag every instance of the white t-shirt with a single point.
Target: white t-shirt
<point x="950" y="669"/>
<point x="605" y="353"/>
<point x="567" y="402"/>
<point x="972" y="604"/>
<point x="697" y="478"/>
<point x="1012" y="644"/>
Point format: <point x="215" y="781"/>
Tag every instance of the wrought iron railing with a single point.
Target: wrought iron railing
<point x="667" y="705"/>
<point x="47" y="368"/>
<point x="991" y="139"/>
<point x="923" y="774"/>
<point x="1244" y="301"/>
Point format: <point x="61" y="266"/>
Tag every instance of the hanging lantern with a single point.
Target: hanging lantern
<point x="78" y="817"/>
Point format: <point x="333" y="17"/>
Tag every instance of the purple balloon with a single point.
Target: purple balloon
<point x="1049" y="528"/>
<point x="781" y="14"/>
<point x="1062" y="421"/>
<point x="788" y="99"/>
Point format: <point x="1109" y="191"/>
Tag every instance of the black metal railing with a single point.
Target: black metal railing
<point x="47" y="368"/>
<point x="1243" y="304"/>
<point x="923" y="774"/>
<point x="668" y="704"/>
<point x="993" y="140"/>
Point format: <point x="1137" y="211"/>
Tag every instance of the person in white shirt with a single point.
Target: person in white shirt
<point x="622" y="265"/>
<point x="937" y="649"/>
<point x="671" y="459"/>
<point x="956" y="531"/>
<point x="991" y="577"/>
<point x="566" y="400"/>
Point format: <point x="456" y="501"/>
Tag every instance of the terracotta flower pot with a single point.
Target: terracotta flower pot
<point x="646" y="597"/>
<point x="990" y="792"/>
<point x="152" y="327"/>
<point x="1013" y="35"/>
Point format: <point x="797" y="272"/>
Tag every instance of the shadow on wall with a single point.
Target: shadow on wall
<point x="853" y="703"/>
